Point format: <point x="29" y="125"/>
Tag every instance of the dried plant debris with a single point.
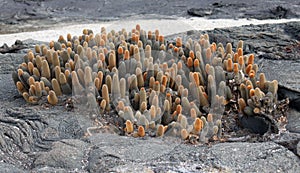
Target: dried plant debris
<point x="143" y="85"/>
<point x="14" y="48"/>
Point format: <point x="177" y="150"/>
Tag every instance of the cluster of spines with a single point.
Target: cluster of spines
<point x="178" y="89"/>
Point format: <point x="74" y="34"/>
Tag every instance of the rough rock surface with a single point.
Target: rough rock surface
<point x="249" y="9"/>
<point x="74" y="152"/>
<point x="298" y="149"/>
<point x="17" y="15"/>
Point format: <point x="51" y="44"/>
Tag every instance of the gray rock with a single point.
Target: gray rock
<point x="68" y="154"/>
<point x="253" y="157"/>
<point x="9" y="168"/>
<point x="288" y="140"/>
<point x="293" y="121"/>
<point x="298" y="148"/>
<point x="101" y="161"/>
<point x="232" y="157"/>
<point x="132" y="149"/>
<point x="47" y="169"/>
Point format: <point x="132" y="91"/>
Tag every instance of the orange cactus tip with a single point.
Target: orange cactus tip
<point x="242" y="104"/>
<point x="63" y="46"/>
<point x="171" y="46"/>
<point x="30" y="67"/>
<point x="179" y="65"/>
<point x="198" y="124"/>
<point x="160" y="130"/>
<point x="235" y="57"/>
<point x="196" y="78"/>
<point x="161" y="38"/>
<point x="67" y="72"/>
<point x="248" y="68"/>
<point x="213" y="47"/>
<point x="85" y="32"/>
<point x="178" y="42"/>
<point x="103" y="104"/>
<point x="207" y="67"/>
<point x="252" y="74"/>
<point x="69" y="50"/>
<point x="196" y="63"/>
<point x="208" y="53"/>
<point x="51" y="44"/>
<point x="61" y="38"/>
<point x="104" y="37"/>
<point x="229" y="65"/>
<point x="121" y="105"/>
<point x="178" y="109"/>
<point x="126" y="109"/>
<point x="193" y="113"/>
<point x="191" y="54"/>
<point x="138" y="27"/>
<point x="105" y="51"/>
<point x="69" y="44"/>
<point x="31" y="80"/>
<point x="69" y="37"/>
<point x="156" y="34"/>
<point x="184" y="134"/>
<point x="102" y="57"/>
<point x="168" y="95"/>
<point x="149" y="35"/>
<point x="235" y="68"/>
<point x="20" y="87"/>
<point x="127" y="55"/>
<point x="249" y="87"/>
<point x="190" y="62"/>
<point x="240" y="52"/>
<point x="164" y="81"/>
<point x="202" y="41"/>
<point x="177" y="100"/>
<point x="102" y="42"/>
<point x="32" y="99"/>
<point x="134" y="37"/>
<point x="52" y="99"/>
<point x="24" y="65"/>
<point x="141" y="131"/>
<point x="176" y="49"/>
<point x="129" y="126"/>
<point x="209" y="118"/>
<point x="241" y="60"/>
<point x="252" y="92"/>
<point x="20" y="72"/>
<point x="251" y="59"/>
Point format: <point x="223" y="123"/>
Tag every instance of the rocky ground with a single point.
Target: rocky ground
<point x="43" y="138"/>
<point x="20" y="15"/>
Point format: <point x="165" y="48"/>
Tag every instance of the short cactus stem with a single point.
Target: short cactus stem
<point x="141" y="131"/>
<point x="184" y="134"/>
<point x="52" y="98"/>
<point x="160" y="130"/>
<point x="129" y="126"/>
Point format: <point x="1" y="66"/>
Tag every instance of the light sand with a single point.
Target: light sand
<point x="166" y="27"/>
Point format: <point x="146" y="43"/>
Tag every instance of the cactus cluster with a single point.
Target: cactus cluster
<point x="156" y="87"/>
